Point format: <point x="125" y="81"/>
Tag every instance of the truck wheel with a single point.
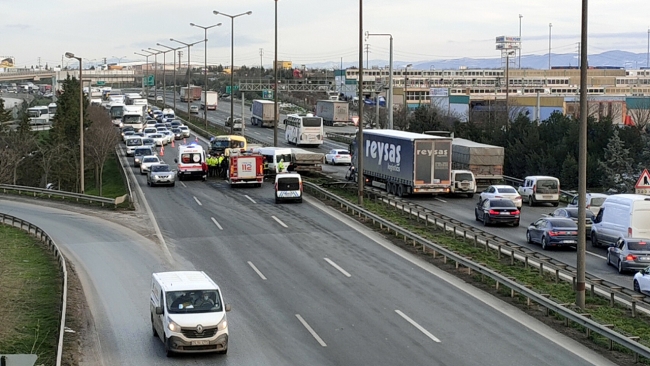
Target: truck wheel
<point x="388" y="187"/>
<point x="400" y="190"/>
<point x="470" y="195"/>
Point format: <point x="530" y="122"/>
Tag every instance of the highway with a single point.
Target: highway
<point x="461" y="209"/>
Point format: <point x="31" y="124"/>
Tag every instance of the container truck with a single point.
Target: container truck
<point x="209" y="100"/>
<point x="405" y="163"/>
<point x="333" y="112"/>
<point x="263" y="111"/>
<point x="191" y="94"/>
<point x="484" y="161"/>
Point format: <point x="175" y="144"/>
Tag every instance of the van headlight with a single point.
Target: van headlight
<point x="223" y="324"/>
<point x="173" y="326"/>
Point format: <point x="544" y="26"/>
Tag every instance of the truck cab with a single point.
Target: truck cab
<point x="463" y="182"/>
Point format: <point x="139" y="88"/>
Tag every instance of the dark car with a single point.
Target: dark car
<point x="178" y="134"/>
<point x="572" y="213"/>
<point x="629" y="254"/>
<point x="497" y="210"/>
<point x="553" y="231"/>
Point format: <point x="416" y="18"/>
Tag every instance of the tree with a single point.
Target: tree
<point x="617" y="166"/>
<point x="24" y="128"/>
<point x="569" y="173"/>
<point x="100" y="141"/>
<point x="5" y="114"/>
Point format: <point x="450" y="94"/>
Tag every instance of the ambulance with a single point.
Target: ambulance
<point x="191" y="161"/>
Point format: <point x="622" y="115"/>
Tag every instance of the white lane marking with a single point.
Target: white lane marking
<point x="257" y="133"/>
<point x="443" y="201"/>
<point x="256" y="270"/>
<point x="337" y="267"/>
<point x="250" y="199"/>
<point x="420" y="328"/>
<point x="216" y="223"/>
<point x="197" y="201"/>
<point x="183" y="184"/>
<point x="597" y="255"/>
<point x="313" y="333"/>
<point x="279" y="221"/>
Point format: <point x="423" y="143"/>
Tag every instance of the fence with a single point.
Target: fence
<point x="45" y="238"/>
<point x="78" y="197"/>
<point x="560" y="309"/>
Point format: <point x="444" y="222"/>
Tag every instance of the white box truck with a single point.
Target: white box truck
<point x="209" y="100"/>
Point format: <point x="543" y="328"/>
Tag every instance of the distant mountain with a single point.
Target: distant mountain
<point x="628" y="60"/>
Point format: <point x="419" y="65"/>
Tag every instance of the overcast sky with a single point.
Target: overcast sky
<point x="311" y="31"/>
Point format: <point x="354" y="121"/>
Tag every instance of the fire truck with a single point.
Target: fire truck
<point x="245" y="168"/>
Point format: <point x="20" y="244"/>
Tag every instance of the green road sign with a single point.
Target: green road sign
<point x="228" y="88"/>
<point x="267" y="94"/>
<point x="101" y="82"/>
<point x="149" y="81"/>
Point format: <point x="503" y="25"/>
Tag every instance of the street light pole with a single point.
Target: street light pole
<point x="550" y="25"/>
<point x="119" y="61"/>
<point x="189" y="79"/>
<point x="155" y="73"/>
<point x="406" y="105"/>
<point x="275" y="78"/>
<point x="147" y="68"/>
<point x="164" y="65"/>
<point x="389" y="101"/>
<point x="174" y="52"/>
<point x="519" y="63"/>
<point x="232" y="64"/>
<point x="82" y="180"/>
<point x="647" y="62"/>
<point x="205" y="70"/>
<point x="360" y="176"/>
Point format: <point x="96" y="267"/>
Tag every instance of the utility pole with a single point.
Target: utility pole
<point x="360" y="176"/>
<point x="261" y="61"/>
<point x="367" y="53"/>
<point x="39" y="62"/>
<point x="550" y="25"/>
<point x="579" y="53"/>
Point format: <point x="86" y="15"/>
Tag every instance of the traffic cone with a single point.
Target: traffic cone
<point x="162" y="150"/>
<point x="172" y="143"/>
<point x="196" y="138"/>
<point x="184" y="141"/>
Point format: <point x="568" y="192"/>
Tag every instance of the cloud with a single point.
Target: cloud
<point x="18" y="26"/>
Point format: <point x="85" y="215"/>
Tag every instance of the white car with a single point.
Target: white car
<point x="158" y="138"/>
<point x="338" y="156"/>
<point x="194" y="109"/>
<point x="502" y="191"/>
<point x="168" y="135"/>
<point x="594" y="201"/>
<point x="149" y="130"/>
<point x="148" y="161"/>
<point x="642" y="281"/>
<point x="185" y="130"/>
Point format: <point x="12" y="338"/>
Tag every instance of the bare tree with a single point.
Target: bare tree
<point x="47" y="157"/>
<point x="641" y="114"/>
<point x="100" y="141"/>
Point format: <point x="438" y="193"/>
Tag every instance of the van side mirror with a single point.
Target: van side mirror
<point x="175" y="160"/>
<point x="228" y="307"/>
<point x="159" y="310"/>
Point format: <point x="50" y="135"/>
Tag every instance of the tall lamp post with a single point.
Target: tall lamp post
<point x="82" y="179"/>
<point x="155" y="72"/>
<point x="147" y="68"/>
<point x="519" y="63"/>
<point x="389" y="102"/>
<point x="647" y="61"/>
<point x="406" y="104"/>
<point x="205" y="70"/>
<point x="361" y="180"/>
<point x="275" y="80"/>
<point x="119" y="61"/>
<point x="189" y="79"/>
<point x="174" y="52"/>
<point x="232" y="63"/>
<point x="550" y="25"/>
<point x="164" y="72"/>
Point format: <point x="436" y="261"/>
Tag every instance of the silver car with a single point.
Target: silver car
<point x="629" y="254"/>
<point x="161" y="174"/>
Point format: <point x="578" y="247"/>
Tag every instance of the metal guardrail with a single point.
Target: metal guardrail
<point x="591" y="326"/>
<point x="63" y="194"/>
<point x="343" y="137"/>
<point x="119" y="149"/>
<point x="41" y="235"/>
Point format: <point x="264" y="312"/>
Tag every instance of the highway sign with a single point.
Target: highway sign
<point x="149" y="81"/>
<point x="267" y="94"/>
<point x="228" y="88"/>
<point x="101" y="82"/>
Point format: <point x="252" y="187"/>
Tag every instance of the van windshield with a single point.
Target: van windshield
<point x="463" y="176"/>
<point x="547" y="186"/>
<point x="288" y="184"/>
<point x="195" y="301"/>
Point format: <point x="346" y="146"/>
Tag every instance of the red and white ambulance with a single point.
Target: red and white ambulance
<point x="191" y="161"/>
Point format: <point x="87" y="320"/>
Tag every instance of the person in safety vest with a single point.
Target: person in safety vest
<point x="281" y="166"/>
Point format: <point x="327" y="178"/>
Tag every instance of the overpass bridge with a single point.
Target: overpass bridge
<point x="107" y="76"/>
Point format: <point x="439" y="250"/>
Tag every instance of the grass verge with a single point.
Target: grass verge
<point x="31" y="296"/>
<point x="113" y="184"/>
<point x="561" y="292"/>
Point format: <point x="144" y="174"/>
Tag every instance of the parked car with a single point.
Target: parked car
<point x="502" y="191"/>
<point x="553" y="231"/>
<point x="572" y="213"/>
<point x="594" y="201"/>
<point x="497" y="210"/>
<point x="161" y="174"/>
<point x="642" y="280"/>
<point x="148" y="161"/>
<point x="194" y="109"/>
<point x="338" y="156"/>
<point x="629" y="254"/>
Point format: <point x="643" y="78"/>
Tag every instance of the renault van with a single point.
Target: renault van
<point x="188" y="313"/>
<point x="288" y="187"/>
<point x="621" y="216"/>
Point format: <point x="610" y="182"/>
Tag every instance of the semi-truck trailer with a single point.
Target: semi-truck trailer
<point x="191" y="94"/>
<point x="209" y="100"/>
<point x="333" y="112"/>
<point x="263" y="111"/>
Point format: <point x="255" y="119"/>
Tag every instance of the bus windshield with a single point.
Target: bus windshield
<point x="312" y="122"/>
<point x="117" y="112"/>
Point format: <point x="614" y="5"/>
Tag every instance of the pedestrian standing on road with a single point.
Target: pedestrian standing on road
<point x="281" y="166"/>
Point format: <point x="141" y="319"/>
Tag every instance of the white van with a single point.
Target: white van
<point x="188" y="313"/>
<point x="273" y="155"/>
<point x="190" y="161"/>
<point x="288" y="187"/>
<point x="540" y="189"/>
<point x="621" y="216"/>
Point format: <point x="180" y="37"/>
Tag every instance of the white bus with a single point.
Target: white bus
<point x="51" y="109"/>
<point x="116" y="112"/>
<point x="304" y="129"/>
<point x="39" y="115"/>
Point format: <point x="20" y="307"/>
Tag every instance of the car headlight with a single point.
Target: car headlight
<point x="173" y="326"/>
<point x="223" y="324"/>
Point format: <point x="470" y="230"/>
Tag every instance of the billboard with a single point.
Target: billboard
<point x="508" y="39"/>
<point x="7" y="61"/>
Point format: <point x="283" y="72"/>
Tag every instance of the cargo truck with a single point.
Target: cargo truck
<point x="191" y="94"/>
<point x="484" y="161"/>
<point x="306" y="161"/>
<point x="209" y="100"/>
<point x="404" y="163"/>
<point x="263" y="111"/>
<point x="333" y="112"/>
<point x="245" y="169"/>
